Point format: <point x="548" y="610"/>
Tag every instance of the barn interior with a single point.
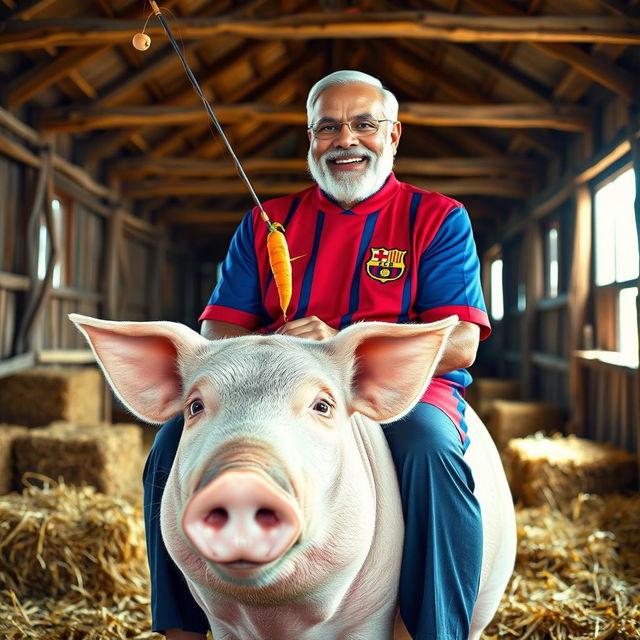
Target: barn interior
<point x="118" y="200"/>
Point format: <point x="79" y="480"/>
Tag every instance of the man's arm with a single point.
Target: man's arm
<point x="461" y="348"/>
<point x="459" y="352"/>
<point x="215" y="329"/>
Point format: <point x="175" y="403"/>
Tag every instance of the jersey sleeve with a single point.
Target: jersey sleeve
<point x="449" y="275"/>
<point x="237" y="296"/>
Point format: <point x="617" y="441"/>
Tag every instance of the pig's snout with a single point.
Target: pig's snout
<point x="241" y="516"/>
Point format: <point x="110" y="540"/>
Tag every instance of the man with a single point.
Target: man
<point x="371" y="248"/>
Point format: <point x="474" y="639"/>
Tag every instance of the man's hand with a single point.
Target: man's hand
<point x="311" y="328"/>
<point x="461" y="348"/>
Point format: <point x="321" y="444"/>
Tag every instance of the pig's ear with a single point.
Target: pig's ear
<point x="390" y="365"/>
<point x="143" y="362"/>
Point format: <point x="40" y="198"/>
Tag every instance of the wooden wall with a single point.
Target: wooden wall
<point x="562" y="344"/>
<point x="98" y="260"/>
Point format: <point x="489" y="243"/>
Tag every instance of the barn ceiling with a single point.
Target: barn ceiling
<point x="492" y="92"/>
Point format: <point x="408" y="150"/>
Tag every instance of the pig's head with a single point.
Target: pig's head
<point x="271" y="491"/>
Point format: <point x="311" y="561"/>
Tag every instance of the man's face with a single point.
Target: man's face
<point x="349" y="167"/>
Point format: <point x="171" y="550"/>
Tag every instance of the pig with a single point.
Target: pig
<point x="282" y="507"/>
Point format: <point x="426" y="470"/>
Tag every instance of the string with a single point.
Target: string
<point x="208" y="109"/>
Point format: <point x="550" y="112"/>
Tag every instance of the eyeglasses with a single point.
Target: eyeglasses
<point x="360" y="127"/>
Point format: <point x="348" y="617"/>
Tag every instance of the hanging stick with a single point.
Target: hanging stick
<point x="276" y="243"/>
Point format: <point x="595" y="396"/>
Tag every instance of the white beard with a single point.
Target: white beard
<point x="349" y="187"/>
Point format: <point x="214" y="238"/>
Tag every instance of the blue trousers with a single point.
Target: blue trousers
<point x="442" y="554"/>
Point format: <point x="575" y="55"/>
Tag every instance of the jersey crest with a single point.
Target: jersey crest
<point x="386" y="265"/>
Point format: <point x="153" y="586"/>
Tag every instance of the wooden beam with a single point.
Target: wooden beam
<point x="17" y="364"/>
<point x="139" y="167"/>
<point x="620" y="8"/>
<point x="184" y="215"/>
<point x="19" y="35"/>
<point x="562" y="117"/>
<point x="601" y="71"/>
<point x="63" y="167"/>
<point x="266" y="87"/>
<point x="498" y="69"/>
<point x="499" y="187"/>
<point x="36" y="80"/>
<point x="19" y="128"/>
<point x="65" y="356"/>
<point x="29" y="8"/>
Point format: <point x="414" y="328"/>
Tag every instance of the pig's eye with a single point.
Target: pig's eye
<point x="196" y="407"/>
<point x="322" y="407"/>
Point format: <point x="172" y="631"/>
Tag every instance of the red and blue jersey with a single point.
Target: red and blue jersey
<point x="402" y="255"/>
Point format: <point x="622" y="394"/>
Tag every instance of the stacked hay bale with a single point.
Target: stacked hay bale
<point x="107" y="457"/>
<point x="555" y="469"/>
<point x="37" y="397"/>
<point x="8" y="433"/>
<point x="484" y="391"/>
<point x="72" y="566"/>
<point x="510" y="419"/>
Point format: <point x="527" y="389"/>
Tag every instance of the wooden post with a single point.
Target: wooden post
<point x="112" y="282"/>
<point x="158" y="275"/>
<point x="39" y="291"/>
<point x="533" y="288"/>
<point x="577" y="306"/>
<point x="634" y="122"/>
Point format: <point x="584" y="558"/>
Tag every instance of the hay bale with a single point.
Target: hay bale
<point x="554" y="470"/>
<point x="40" y="396"/>
<point x="72" y="566"/>
<point x="484" y="391"/>
<point x="107" y="457"/>
<point x="8" y="433"/>
<point x="516" y="419"/>
<point x="576" y="573"/>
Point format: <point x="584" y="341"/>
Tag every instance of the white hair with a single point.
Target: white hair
<point x="350" y="76"/>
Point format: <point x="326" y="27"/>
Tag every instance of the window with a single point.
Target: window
<point x="497" y="298"/>
<point x="616" y="245"/>
<point x="44" y="243"/>
<point x="552" y="268"/>
<point x="617" y="262"/>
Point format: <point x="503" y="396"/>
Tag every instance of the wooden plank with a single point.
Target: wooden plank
<point x="83" y="196"/>
<point x="17" y="364"/>
<point x="37" y="79"/>
<point x="37" y="34"/>
<point x="18" y="128"/>
<point x="68" y="293"/>
<point x="599" y="70"/>
<point x="497" y="187"/>
<point x="140" y="166"/>
<point x="65" y="356"/>
<point x="14" y="281"/>
<point x="16" y="151"/>
<point x="41" y="202"/>
<point x="564" y="188"/>
<point x="562" y="117"/>
<point x="29" y="8"/>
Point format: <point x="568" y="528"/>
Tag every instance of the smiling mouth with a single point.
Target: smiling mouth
<point x="242" y="565"/>
<point x="348" y="162"/>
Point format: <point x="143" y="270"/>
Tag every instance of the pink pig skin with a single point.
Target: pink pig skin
<point x="282" y="507"/>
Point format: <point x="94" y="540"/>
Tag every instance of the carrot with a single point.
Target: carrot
<point x="280" y="264"/>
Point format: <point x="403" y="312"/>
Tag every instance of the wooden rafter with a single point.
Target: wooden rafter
<point x="136" y="168"/>
<point x="151" y="188"/>
<point x="563" y="117"/>
<point x="599" y="70"/>
<point x="271" y="77"/>
<point x="37" y="34"/>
